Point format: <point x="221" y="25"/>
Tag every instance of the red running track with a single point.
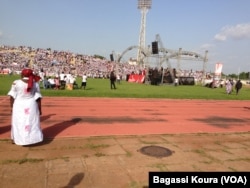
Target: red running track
<point x="78" y="117"/>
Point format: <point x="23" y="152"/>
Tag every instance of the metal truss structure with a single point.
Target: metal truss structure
<point x="166" y="54"/>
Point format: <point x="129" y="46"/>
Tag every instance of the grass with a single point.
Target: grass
<point x="21" y="161"/>
<point x="93" y="146"/>
<point x="101" y="88"/>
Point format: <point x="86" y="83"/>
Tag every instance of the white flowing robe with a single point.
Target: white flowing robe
<point x="25" y="122"/>
<point x="229" y="87"/>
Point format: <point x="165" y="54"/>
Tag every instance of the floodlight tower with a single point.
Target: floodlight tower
<point x="144" y="6"/>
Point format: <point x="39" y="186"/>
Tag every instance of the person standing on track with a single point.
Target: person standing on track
<point x="25" y="102"/>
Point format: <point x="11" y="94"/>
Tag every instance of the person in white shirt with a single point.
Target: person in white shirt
<point x="71" y="81"/>
<point x="42" y="76"/>
<point x="67" y="81"/>
<point x="118" y="78"/>
<point x="84" y="81"/>
<point x="52" y="82"/>
<point x="62" y="78"/>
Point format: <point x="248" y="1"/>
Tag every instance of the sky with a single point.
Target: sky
<point x="103" y="27"/>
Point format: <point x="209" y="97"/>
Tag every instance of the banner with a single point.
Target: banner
<point x="138" y="78"/>
<point x="218" y="69"/>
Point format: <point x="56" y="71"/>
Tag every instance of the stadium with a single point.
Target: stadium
<point x="159" y="120"/>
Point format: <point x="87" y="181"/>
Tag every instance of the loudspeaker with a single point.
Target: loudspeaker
<point x="155" y="48"/>
<point x="111" y="57"/>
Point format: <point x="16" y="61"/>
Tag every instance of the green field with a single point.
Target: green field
<point x="101" y="88"/>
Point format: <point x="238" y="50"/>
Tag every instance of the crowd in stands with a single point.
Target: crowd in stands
<point x="53" y="62"/>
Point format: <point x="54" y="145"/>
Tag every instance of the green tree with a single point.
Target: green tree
<point x="233" y="76"/>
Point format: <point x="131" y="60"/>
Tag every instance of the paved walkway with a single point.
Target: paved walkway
<point x="91" y="142"/>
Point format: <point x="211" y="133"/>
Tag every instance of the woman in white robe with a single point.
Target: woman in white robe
<point x="229" y="87"/>
<point x="25" y="100"/>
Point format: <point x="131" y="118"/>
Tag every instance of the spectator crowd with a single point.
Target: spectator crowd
<point x="52" y="63"/>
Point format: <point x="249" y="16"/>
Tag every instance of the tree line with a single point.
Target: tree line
<point x="242" y="75"/>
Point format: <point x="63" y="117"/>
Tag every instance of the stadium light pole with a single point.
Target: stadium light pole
<point x="144" y="6"/>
